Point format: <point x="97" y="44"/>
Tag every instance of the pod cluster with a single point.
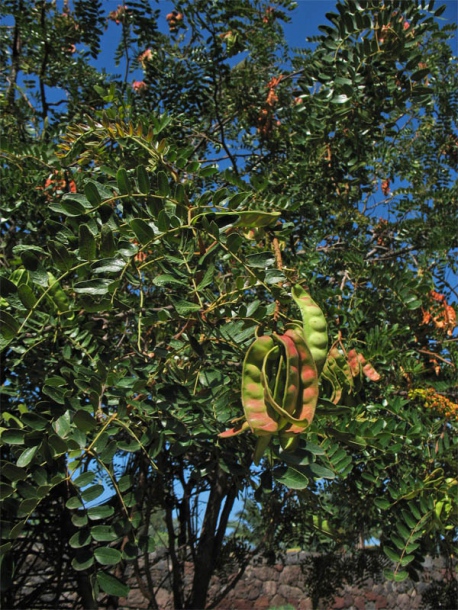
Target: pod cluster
<point x="280" y="378"/>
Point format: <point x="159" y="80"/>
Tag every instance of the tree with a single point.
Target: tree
<point x="153" y="231"/>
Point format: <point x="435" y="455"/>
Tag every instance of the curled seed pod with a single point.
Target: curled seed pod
<point x="238" y="429"/>
<point x="307" y="395"/>
<point x="329" y="377"/>
<point x="291" y="378"/>
<point x="359" y="364"/>
<point x="353" y="361"/>
<point x="309" y="390"/>
<point x="338" y="372"/>
<point x="315" y="327"/>
<point x="260" y="419"/>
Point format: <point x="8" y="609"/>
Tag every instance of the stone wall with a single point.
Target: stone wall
<point x="286" y="585"/>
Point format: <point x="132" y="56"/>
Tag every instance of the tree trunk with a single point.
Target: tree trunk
<point x="210" y="541"/>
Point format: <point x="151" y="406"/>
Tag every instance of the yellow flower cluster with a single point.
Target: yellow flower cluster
<point x="436" y="401"/>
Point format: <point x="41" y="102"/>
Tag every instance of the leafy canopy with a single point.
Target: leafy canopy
<point x="153" y="228"/>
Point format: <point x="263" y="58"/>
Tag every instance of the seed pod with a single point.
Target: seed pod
<point x="261" y="420"/>
<point x="358" y="363"/>
<point x="315" y="327"/>
<point x="309" y="390"/>
<point x="307" y="395"/>
<point x="291" y="378"/>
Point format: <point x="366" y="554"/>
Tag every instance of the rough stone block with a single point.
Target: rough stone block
<point x="269" y="588"/>
<point x="290" y="593"/>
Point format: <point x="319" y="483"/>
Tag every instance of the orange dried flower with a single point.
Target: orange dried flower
<point x="440" y="313"/>
<point x="174" y="20"/>
<point x="272" y="98"/>
<point x="145" y="56"/>
<point x="139" y="86"/>
<point x="56" y="184"/>
<point x="385" y="186"/>
<point x="269" y="15"/>
<point x="118" y="15"/>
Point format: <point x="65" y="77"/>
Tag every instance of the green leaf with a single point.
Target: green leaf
<point x="17" y="530"/>
<point x="406" y="560"/>
<point x="163" y="184"/>
<point x="62" y="425"/>
<point x="92" y="493"/>
<point x="79" y="519"/>
<point x="184" y="308"/>
<point x="104" y="533"/>
<point x="21" y="248"/>
<point x="9" y="327"/>
<point x="74" y="502"/>
<point x="123" y="182"/>
<point x="107" y="556"/>
<point x="94" y="287"/>
<point x="57" y="394"/>
<point x="87" y="245"/>
<point x="58" y="445"/>
<point x="84" y="479"/>
<point x="61" y="257"/>
<point x="263" y="260"/>
<point x="92" y="193"/>
<point x="130" y="445"/>
<point x="293" y="477"/>
<point x="69" y="207"/>
<point x="340" y="99"/>
<point x="143" y="232"/>
<point x="144" y="185"/>
<point x="27" y="506"/>
<point x="84" y="421"/>
<point x="396" y="576"/>
<point x="107" y="242"/>
<point x="208" y="277"/>
<point x="109" y="265"/>
<point x="34" y="421"/>
<point x="80" y="539"/>
<point x="27" y="296"/>
<point x="320" y="472"/>
<point x="244" y="219"/>
<point x="125" y="482"/>
<point x="382" y="503"/>
<point x="274" y="276"/>
<point x="7" y="287"/>
<point x="13" y="436"/>
<point x="392" y="555"/>
<point x="315" y="449"/>
<point x="26" y="457"/>
<point x="13" y="472"/>
<point x="84" y="559"/>
<point x="55" y="381"/>
<point x="299" y="457"/>
<point x="256" y="219"/>
<point x="100" y="512"/>
<point x="111" y="585"/>
<point x="166" y="280"/>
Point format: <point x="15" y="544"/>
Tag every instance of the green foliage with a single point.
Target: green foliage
<point x="151" y="233"/>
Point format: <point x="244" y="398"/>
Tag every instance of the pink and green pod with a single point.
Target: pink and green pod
<point x="314" y="324"/>
<point x="260" y="419"/>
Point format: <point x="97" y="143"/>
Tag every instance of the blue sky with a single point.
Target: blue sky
<point x="305" y="20"/>
<point x="311" y="13"/>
